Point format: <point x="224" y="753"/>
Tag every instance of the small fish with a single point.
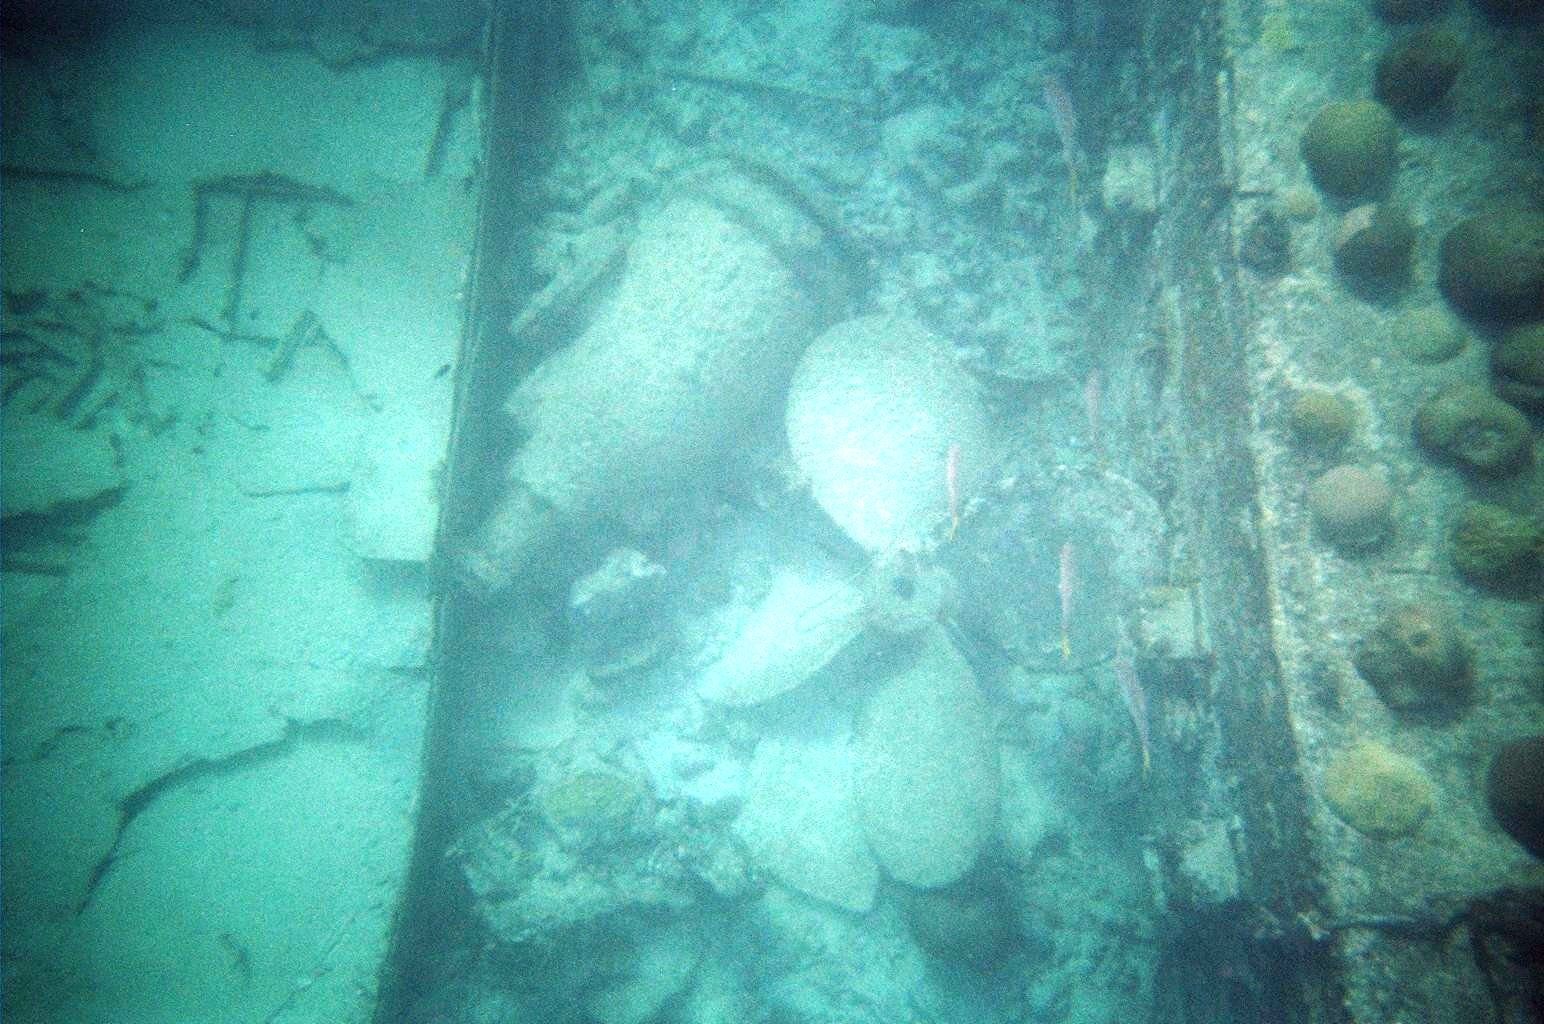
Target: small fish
<point x="1136" y="699"/>
<point x="1064" y="585"/>
<point x="1065" y="116"/>
<point x="952" y="479"/>
<point x="1093" y="399"/>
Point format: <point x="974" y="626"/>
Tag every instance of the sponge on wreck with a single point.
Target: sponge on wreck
<point x="1376" y="791"/>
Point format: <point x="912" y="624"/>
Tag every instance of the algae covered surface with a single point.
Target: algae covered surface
<point x="974" y="510"/>
<point x="1083" y="633"/>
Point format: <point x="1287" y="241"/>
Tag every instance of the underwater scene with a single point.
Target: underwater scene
<point x="783" y="512"/>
